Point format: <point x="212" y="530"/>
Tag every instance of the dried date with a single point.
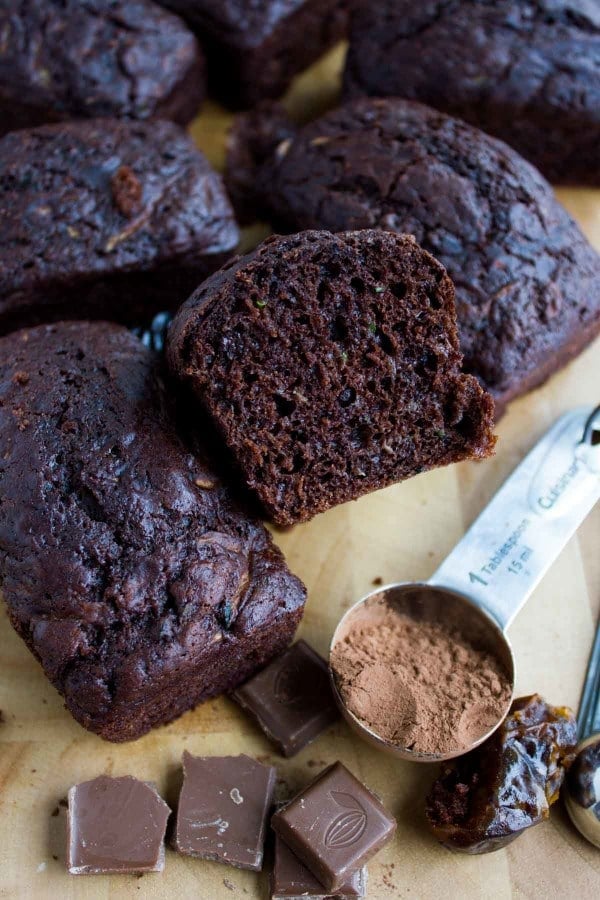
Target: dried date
<point x="485" y="799"/>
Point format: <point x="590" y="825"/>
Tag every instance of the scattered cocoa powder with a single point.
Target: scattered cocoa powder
<point x="418" y="683"/>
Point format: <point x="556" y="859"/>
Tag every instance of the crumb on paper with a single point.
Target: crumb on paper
<point x="228" y="884"/>
<point x="42" y="867"/>
<point x="377" y="581"/>
<point x="313" y="763"/>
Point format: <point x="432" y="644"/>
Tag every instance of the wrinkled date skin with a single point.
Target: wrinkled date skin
<point x="485" y="799"/>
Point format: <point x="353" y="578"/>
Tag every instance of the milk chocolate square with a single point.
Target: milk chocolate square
<point x="223" y="809"/>
<point x="291" y="699"/>
<point x="291" y="880"/>
<point x="334" y="826"/>
<point x="115" y="825"/>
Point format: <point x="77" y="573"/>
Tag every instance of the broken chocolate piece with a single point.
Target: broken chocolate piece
<point x="291" y="879"/>
<point x="115" y="825"/>
<point x="334" y="826"/>
<point x="223" y="809"/>
<point x="291" y="699"/>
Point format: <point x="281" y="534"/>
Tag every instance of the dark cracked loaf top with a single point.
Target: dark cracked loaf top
<point x="126" y="565"/>
<point x="527" y="71"/>
<point x="107" y="219"/>
<point x="255" y="48"/>
<point x="527" y="281"/>
<point x="330" y="366"/>
<point x="70" y="59"/>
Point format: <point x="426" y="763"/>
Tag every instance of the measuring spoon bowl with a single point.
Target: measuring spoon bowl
<point x="421" y="601"/>
<point x="485" y="580"/>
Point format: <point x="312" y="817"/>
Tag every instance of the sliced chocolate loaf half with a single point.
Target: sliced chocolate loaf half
<point x="330" y="366"/>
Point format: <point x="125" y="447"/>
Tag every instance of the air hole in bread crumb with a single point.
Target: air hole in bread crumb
<point x="284" y="406"/>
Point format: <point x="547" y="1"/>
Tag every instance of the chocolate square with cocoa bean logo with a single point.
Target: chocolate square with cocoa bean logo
<point x="334" y="825"/>
<point x="291" y="699"/>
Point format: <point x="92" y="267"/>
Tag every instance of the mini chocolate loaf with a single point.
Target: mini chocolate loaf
<point x="255" y="49"/>
<point x="127" y="568"/>
<point x="258" y="137"/>
<point x="106" y="219"/>
<point x="330" y="366"/>
<point x="527" y="71"/>
<point x="73" y="59"/>
<point x="527" y="281"/>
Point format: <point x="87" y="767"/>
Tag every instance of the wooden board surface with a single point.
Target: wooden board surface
<point x="398" y="534"/>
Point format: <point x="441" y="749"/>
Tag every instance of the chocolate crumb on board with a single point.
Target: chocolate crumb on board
<point x="313" y="763"/>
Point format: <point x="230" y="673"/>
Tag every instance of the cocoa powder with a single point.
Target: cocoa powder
<point x="418" y="683"/>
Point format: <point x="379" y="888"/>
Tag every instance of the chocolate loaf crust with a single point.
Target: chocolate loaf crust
<point x="527" y="71"/>
<point x="255" y="49"/>
<point x="127" y="567"/>
<point x="106" y="219"/>
<point x="527" y="281"/>
<point x="72" y="59"/>
<point x="330" y="366"/>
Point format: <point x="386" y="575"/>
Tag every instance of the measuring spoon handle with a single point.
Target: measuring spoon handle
<point x="510" y="546"/>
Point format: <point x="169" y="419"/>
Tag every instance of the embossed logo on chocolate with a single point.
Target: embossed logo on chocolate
<point x="294" y="686"/>
<point x="348" y="827"/>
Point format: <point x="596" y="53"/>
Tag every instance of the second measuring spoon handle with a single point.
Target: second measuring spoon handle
<point x="509" y="547"/>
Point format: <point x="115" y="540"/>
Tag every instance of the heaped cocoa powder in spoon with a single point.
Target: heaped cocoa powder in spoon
<point x="419" y="683"/>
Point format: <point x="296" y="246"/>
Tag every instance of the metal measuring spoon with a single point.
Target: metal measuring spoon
<point x="582" y="787"/>
<point x="491" y="572"/>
